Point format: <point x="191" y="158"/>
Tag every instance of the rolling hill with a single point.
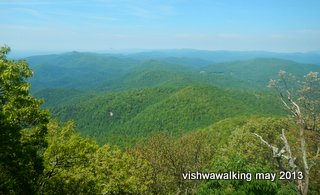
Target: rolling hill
<point x="261" y="70"/>
<point x="140" y="112"/>
<point x="75" y="70"/>
<point x="121" y="99"/>
<point x="225" y="56"/>
<point x="89" y="71"/>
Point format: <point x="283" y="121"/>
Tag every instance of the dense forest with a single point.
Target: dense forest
<point x="157" y="122"/>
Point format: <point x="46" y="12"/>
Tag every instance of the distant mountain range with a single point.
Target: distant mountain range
<point x="114" y="72"/>
<point x="173" y="91"/>
<point x="198" y="55"/>
<point x="227" y="56"/>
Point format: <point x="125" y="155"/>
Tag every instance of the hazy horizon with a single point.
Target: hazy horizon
<point x="23" y="54"/>
<point x="106" y="26"/>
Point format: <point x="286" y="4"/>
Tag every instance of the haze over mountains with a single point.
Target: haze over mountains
<point x="223" y="56"/>
<point x="170" y="90"/>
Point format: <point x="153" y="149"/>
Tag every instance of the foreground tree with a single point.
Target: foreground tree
<point x="22" y="129"/>
<point x="244" y="153"/>
<point x="247" y="184"/>
<point x="77" y="165"/>
<point x="302" y="100"/>
<point x="170" y="157"/>
<point x="67" y="161"/>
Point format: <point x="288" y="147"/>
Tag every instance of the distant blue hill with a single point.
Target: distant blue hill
<point x="91" y="71"/>
<point x="226" y="56"/>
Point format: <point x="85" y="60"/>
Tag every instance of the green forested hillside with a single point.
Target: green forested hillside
<point x="147" y="96"/>
<point x="58" y="96"/>
<point x="260" y="70"/>
<point x="76" y="70"/>
<point x="141" y="112"/>
<point x="89" y="71"/>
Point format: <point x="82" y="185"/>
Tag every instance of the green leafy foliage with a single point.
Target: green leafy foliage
<point x="245" y="153"/>
<point x="248" y="185"/>
<point x="170" y="157"/>
<point x="244" y="141"/>
<point x="22" y="129"/>
<point x="77" y="165"/>
<point x="301" y="99"/>
<point x="67" y="161"/>
<point x="122" y="172"/>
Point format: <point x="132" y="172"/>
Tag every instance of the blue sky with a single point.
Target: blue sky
<point x="101" y="25"/>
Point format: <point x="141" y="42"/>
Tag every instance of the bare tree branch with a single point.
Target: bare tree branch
<point x="276" y="152"/>
<point x="291" y="159"/>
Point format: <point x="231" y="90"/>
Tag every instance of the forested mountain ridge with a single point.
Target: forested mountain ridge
<point x="89" y="71"/>
<point x="75" y="70"/>
<point x="141" y="112"/>
<point x="261" y="70"/>
<point x="226" y="56"/>
<point x="148" y="95"/>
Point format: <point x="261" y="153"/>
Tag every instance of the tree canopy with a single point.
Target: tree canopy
<point x="22" y="129"/>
